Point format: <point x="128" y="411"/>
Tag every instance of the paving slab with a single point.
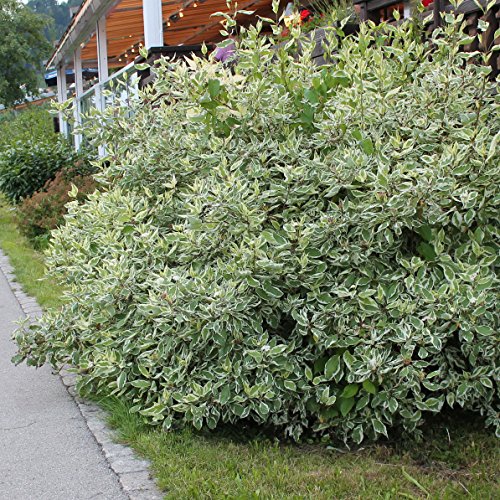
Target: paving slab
<point x="47" y="452"/>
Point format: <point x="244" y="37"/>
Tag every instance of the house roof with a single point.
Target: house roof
<point x="185" y="23"/>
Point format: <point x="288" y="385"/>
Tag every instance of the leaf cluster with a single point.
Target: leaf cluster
<point x="314" y="248"/>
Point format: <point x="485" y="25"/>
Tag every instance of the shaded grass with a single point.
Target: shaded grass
<point x="28" y="263"/>
<point x="457" y="458"/>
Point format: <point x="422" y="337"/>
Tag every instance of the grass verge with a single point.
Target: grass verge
<point x="28" y="263"/>
<point x="457" y="459"/>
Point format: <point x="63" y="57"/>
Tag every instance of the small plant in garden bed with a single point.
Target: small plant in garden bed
<point x="310" y="248"/>
<point x="45" y="210"/>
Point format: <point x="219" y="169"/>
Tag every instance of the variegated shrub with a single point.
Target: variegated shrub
<point x="314" y="248"/>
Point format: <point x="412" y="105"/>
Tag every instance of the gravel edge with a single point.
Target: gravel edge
<point x="133" y="472"/>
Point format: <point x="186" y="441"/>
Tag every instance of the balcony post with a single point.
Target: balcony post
<point x="153" y="23"/>
<point x="102" y="49"/>
<point x="102" y="66"/>
<point x="77" y="65"/>
<point x="61" y="97"/>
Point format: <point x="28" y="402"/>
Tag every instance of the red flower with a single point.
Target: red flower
<point x="305" y="14"/>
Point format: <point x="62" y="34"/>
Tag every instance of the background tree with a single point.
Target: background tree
<point x="58" y="12"/>
<point x="22" y="48"/>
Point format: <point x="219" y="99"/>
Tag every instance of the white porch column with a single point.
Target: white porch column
<point x="407" y="9"/>
<point x="102" y="67"/>
<point x="153" y="23"/>
<point x="102" y="49"/>
<point x="77" y="64"/>
<point x="61" y="97"/>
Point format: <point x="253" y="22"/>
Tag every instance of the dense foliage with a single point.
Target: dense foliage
<point x="310" y="247"/>
<point x="22" y="49"/>
<point x="45" y="210"/>
<point x="26" y="166"/>
<point x="33" y="123"/>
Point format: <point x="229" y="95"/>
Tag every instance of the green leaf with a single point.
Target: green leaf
<point x="426" y="251"/>
<point x="141" y="384"/>
<point x="252" y="282"/>
<point x="121" y="380"/>
<point x="426" y="232"/>
<point x="214" y="87"/>
<point x="274" y="238"/>
<point x="379" y="427"/>
<point x="263" y="409"/>
<point x="367" y="146"/>
<point x="369" y="387"/>
<point x="357" y="434"/>
<point x="272" y="291"/>
<point x="484" y="330"/>
<point x="311" y="95"/>
<point x="350" y="391"/>
<point x="362" y="402"/>
<point x="341" y="78"/>
<point x="332" y="367"/>
<point x="238" y="409"/>
<point x="224" y="395"/>
<point x="346" y="405"/>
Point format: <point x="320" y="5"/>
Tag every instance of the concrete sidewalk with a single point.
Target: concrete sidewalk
<point x="46" y="449"/>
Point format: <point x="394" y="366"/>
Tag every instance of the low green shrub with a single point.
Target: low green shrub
<point x="26" y="166"/>
<point x="45" y="210"/>
<point x="314" y="248"/>
<point x="33" y="123"/>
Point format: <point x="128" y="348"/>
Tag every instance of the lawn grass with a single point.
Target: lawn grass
<point x="456" y="459"/>
<point x="28" y="264"/>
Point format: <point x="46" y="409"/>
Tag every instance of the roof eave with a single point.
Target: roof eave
<point x="81" y="27"/>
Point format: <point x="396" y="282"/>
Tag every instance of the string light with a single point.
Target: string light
<point x="175" y="17"/>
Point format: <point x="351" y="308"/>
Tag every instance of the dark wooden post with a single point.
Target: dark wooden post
<point x="362" y="10"/>
<point x="436" y="11"/>
<point x="492" y="17"/>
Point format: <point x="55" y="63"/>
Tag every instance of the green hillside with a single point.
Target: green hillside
<point x="59" y="12"/>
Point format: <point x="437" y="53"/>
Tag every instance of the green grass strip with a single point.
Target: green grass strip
<point x="28" y="264"/>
